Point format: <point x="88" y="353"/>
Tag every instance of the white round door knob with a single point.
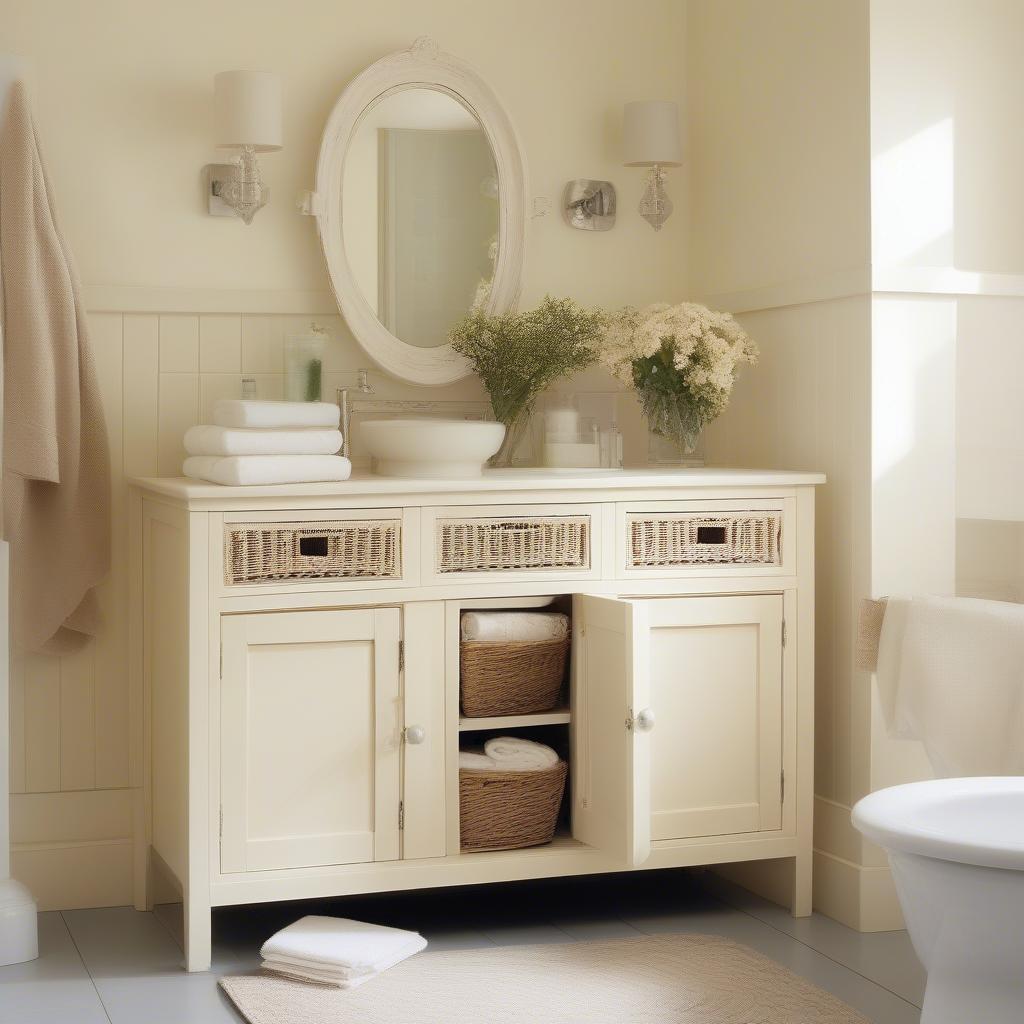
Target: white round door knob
<point x="645" y="720"/>
<point x="415" y="734"/>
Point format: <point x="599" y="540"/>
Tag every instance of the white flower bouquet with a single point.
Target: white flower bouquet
<point x="682" y="360"/>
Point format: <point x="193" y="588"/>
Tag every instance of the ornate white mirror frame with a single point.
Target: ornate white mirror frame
<point x="421" y="66"/>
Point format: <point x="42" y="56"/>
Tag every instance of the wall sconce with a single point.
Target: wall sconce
<point x="650" y="138"/>
<point x="247" y="108"/>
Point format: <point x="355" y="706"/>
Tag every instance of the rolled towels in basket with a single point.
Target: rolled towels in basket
<point x="509" y="754"/>
<point x="246" y="470"/>
<point x="233" y="412"/>
<point x="214" y="440"/>
<point x="337" y="950"/>
<point x="511" y="627"/>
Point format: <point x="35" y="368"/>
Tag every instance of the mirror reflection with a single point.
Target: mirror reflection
<point x="420" y="213"/>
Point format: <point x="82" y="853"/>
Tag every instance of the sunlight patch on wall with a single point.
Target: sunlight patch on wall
<point x="912" y="188"/>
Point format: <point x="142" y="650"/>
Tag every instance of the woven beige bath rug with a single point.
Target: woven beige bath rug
<point x="669" y="979"/>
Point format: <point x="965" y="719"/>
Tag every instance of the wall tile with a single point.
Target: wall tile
<point x="262" y="344"/>
<point x="214" y="386"/>
<point x="269" y="386"/>
<point x="141" y="394"/>
<point x="179" y="410"/>
<point x="179" y="344"/>
<point x="220" y="344"/>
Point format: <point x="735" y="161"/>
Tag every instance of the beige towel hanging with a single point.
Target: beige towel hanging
<point x="56" y="465"/>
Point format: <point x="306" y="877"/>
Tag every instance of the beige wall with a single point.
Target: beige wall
<point x="182" y="303"/>
<point x="778" y="137"/>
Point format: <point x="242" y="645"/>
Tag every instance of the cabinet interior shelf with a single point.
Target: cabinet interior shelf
<point x="560" y="716"/>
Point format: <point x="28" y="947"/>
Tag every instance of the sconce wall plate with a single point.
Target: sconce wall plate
<point x="215" y="176"/>
<point x="589" y="205"/>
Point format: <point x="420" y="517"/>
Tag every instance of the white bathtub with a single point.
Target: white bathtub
<point x="956" y="847"/>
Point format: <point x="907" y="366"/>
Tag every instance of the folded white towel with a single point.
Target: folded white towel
<point x="245" y="470"/>
<point x="477" y="761"/>
<point x="213" y="440"/>
<point x="514" y="626"/>
<point x="234" y="412"/>
<point x="951" y="674"/>
<point x="515" y="754"/>
<point x="338" y="950"/>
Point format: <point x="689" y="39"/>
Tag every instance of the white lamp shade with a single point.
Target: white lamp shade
<point x="247" y="107"/>
<point x="650" y="134"/>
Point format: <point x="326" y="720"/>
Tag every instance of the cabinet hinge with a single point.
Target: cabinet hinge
<point x="401" y="815"/>
<point x="220" y="827"/>
<point x="401" y="655"/>
<point x="783" y="632"/>
<point x="782" y="786"/>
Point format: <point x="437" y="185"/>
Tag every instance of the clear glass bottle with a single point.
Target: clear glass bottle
<point x="304" y="364"/>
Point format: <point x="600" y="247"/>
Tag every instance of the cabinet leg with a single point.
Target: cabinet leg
<point x="802" y="885"/>
<point x="198" y="938"/>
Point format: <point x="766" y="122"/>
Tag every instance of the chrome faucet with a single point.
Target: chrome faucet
<point x="362" y="387"/>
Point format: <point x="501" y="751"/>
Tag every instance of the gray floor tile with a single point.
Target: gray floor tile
<point x="53" y="989"/>
<point x="887" y="958"/>
<point x="118" y="942"/>
<point x="135" y="959"/>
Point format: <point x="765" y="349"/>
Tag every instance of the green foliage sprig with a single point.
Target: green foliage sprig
<point x="518" y="355"/>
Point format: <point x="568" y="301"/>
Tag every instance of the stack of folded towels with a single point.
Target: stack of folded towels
<point x="337" y="951"/>
<point x="509" y="754"/>
<point x="513" y="627"/>
<point x="252" y="442"/>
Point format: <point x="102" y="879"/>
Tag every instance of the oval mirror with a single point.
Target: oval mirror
<point x="421" y="186"/>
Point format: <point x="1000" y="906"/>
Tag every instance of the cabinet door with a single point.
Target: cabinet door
<point x="310" y="739"/>
<point x="716" y="688"/>
<point x="611" y="756"/>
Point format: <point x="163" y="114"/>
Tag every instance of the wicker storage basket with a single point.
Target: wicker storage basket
<point x="511" y="678"/>
<point x="509" y="810"/>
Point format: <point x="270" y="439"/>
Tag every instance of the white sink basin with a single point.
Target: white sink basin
<point x="434" y="449"/>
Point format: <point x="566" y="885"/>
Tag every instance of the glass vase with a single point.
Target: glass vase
<point x="675" y="426"/>
<point x="516" y="429"/>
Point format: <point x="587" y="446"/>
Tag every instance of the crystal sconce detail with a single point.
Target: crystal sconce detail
<point x="650" y="138"/>
<point x="248" y="118"/>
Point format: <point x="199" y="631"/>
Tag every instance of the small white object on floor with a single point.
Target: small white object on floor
<point x="246" y="470"/>
<point x="948" y="669"/>
<point x="337" y="950"/>
<point x="214" y="440"/>
<point x="514" y="626"/>
<point x="233" y="412"/>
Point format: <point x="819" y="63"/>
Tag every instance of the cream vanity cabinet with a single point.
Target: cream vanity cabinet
<point x="295" y="656"/>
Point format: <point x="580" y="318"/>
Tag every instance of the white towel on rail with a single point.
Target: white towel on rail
<point x="515" y="754"/>
<point x="240" y="412"/>
<point x="214" y="440"/>
<point x="951" y="674"/>
<point x="247" y="470"/>
<point x="514" y="626"/>
<point x="337" y="950"/>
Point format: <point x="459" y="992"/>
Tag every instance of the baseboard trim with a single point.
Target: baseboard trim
<point x="861" y="897"/>
<point x="75" y="875"/>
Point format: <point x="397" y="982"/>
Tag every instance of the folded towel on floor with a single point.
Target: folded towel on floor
<point x="213" y="440"/>
<point x="245" y="470"/>
<point x="514" y="626"/>
<point x="515" y="754"/>
<point x="337" y="950"/>
<point x="477" y="761"/>
<point x="234" y="412"/>
<point x="951" y="674"/>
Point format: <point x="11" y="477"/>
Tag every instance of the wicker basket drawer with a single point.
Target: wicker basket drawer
<point x="663" y="540"/>
<point x="359" y="549"/>
<point x="512" y="544"/>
